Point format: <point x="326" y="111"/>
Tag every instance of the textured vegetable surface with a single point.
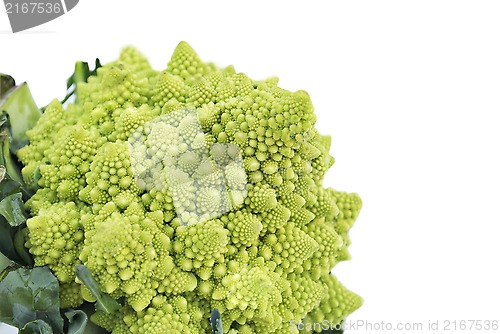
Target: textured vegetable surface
<point x="184" y="191"/>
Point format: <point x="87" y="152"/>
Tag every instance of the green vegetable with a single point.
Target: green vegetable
<point x="6" y="83"/>
<point x="12" y="190"/>
<point x="4" y="263"/>
<point x="11" y="207"/>
<point x="180" y="201"/>
<point x="6" y="160"/>
<point x="36" y="327"/>
<point x="104" y="302"/>
<point x="81" y="74"/>
<point x="17" y="100"/>
<point x="77" y="321"/>
<point x="31" y="295"/>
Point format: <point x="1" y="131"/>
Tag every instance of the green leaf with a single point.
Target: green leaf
<point x="11" y="223"/>
<point x="91" y="328"/>
<point x="23" y="113"/>
<point x="11" y="231"/>
<point x="38" y="175"/>
<point x="7" y="234"/>
<point x="4" y="263"/>
<point x="7" y="185"/>
<point x="77" y="321"/>
<point x="12" y="191"/>
<point x="12" y="208"/>
<point x="6" y="83"/>
<point x="104" y="302"/>
<point x="12" y="243"/>
<point x="28" y="295"/>
<point x="21" y="250"/>
<point x="6" y="158"/>
<point x="12" y="267"/>
<point x="216" y="322"/>
<point x="36" y="327"/>
<point x="81" y="74"/>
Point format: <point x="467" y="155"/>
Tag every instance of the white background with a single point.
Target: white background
<point x="408" y="90"/>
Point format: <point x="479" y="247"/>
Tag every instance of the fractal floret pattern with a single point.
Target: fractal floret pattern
<point x="186" y="190"/>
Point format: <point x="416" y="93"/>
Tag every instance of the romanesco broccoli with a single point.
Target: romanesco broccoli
<point x="186" y="190"/>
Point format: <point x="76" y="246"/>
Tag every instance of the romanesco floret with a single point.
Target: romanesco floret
<point x="56" y="238"/>
<point x="332" y="309"/>
<point x="185" y="190"/>
<point x="200" y="246"/>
